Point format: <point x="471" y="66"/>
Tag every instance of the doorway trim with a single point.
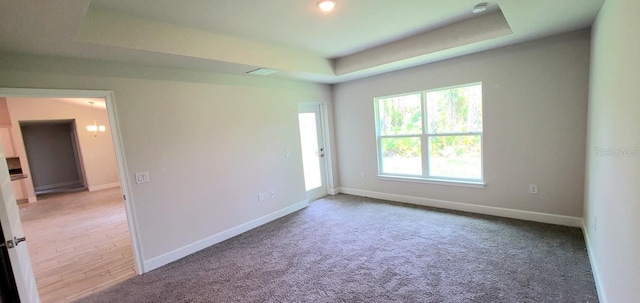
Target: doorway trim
<point x="326" y="131"/>
<point x="123" y="172"/>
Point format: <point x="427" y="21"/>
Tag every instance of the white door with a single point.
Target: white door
<point x="15" y="242"/>
<point x="313" y="150"/>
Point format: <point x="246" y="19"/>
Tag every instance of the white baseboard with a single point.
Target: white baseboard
<point x="473" y="208"/>
<point x="57" y="185"/>
<point x="32" y="199"/>
<point x="594" y="267"/>
<point x="333" y="191"/>
<point x="104" y="186"/>
<point x="186" y="250"/>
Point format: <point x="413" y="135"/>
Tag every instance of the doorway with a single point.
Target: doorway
<point x="53" y="154"/>
<point x="19" y="257"/>
<point x="78" y="238"/>
<point x="312" y="139"/>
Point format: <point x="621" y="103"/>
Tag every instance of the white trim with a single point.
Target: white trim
<point x="186" y="250"/>
<point x="51" y="93"/>
<point x="104" y="186"/>
<point x="333" y="191"/>
<point x="594" y="267"/>
<point x="474" y="184"/>
<point x="125" y="182"/>
<point x="117" y="144"/>
<point x="473" y="208"/>
<point x="32" y="199"/>
<point x="327" y="145"/>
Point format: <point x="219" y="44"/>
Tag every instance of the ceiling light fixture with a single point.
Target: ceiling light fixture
<point x="480" y="7"/>
<point x="326" y="5"/>
<point x="95" y="128"/>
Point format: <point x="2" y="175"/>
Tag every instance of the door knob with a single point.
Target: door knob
<point x="13" y="243"/>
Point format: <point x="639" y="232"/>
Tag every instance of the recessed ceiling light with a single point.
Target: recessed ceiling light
<point x="480" y="7"/>
<point x="326" y="5"/>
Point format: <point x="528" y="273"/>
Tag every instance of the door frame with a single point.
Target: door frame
<point x="123" y="172"/>
<point x="326" y="131"/>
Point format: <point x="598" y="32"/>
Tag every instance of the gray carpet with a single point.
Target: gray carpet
<point x="351" y="249"/>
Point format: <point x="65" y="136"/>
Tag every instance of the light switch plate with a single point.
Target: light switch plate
<point x="142" y="177"/>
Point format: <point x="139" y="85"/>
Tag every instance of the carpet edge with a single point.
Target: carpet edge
<point x="196" y="246"/>
<point x="472" y="208"/>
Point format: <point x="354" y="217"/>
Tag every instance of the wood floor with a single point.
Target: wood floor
<point x="79" y="243"/>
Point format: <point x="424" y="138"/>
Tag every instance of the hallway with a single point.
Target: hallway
<point x="79" y="243"/>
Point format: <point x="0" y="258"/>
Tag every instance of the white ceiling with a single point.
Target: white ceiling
<point x="355" y="25"/>
<point x="360" y="38"/>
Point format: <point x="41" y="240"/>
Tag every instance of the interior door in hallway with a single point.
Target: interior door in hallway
<point x="310" y="120"/>
<point x="14" y="238"/>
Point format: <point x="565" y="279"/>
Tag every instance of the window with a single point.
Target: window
<point x="433" y="135"/>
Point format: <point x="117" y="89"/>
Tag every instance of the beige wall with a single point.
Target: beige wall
<point x="96" y="153"/>
<point x="210" y="142"/>
<point x="535" y="112"/>
<point x="5" y="120"/>
<point x="612" y="195"/>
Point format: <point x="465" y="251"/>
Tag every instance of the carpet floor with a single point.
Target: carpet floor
<point x="351" y="249"/>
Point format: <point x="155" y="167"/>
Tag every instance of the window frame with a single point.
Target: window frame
<point x="424" y="139"/>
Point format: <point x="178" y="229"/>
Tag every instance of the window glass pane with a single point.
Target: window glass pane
<point x="456" y="110"/>
<point x="310" y="150"/>
<point x="401" y="115"/>
<point x="455" y="157"/>
<point x="401" y="156"/>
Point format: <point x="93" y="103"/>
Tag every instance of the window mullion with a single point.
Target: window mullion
<point x="456" y="134"/>
<point x="400" y="136"/>
<point x="424" y="138"/>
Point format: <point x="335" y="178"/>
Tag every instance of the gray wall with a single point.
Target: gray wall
<point x="612" y="196"/>
<point x="210" y="142"/>
<point x="51" y="155"/>
<point x="535" y="113"/>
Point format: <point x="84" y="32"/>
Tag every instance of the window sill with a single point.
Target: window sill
<point x="473" y="184"/>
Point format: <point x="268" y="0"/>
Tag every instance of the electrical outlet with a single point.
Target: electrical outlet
<point x="260" y="197"/>
<point x="272" y="193"/>
<point x="533" y="189"/>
